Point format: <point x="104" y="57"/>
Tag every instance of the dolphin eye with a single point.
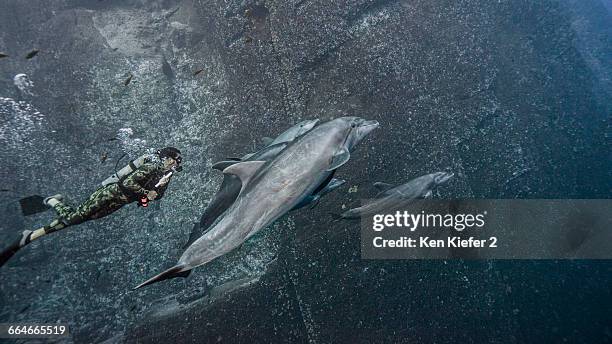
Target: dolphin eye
<point x="353" y="125"/>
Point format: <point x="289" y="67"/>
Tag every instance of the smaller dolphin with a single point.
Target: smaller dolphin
<point x="394" y="197"/>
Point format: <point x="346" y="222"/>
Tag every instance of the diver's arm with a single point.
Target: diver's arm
<point x="134" y="181"/>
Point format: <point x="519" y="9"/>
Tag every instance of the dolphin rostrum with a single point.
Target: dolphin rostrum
<point x="230" y="186"/>
<point x="394" y="197"/>
<point x="271" y="189"/>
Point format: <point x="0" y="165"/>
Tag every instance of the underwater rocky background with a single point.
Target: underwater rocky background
<point x="512" y="96"/>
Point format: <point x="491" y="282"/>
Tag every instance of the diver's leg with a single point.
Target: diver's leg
<point x="104" y="201"/>
<point x="69" y="216"/>
<point x="63" y="210"/>
<point x="101" y="203"/>
<point x="110" y="206"/>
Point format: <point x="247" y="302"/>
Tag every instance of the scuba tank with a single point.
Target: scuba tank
<point x="127" y="169"/>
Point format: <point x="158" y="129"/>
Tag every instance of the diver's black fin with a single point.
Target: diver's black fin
<point x="175" y="271"/>
<point x="32" y="205"/>
<point x="9" y="252"/>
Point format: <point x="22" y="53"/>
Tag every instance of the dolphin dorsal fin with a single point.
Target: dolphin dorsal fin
<point x="222" y="165"/>
<point x="340" y="158"/>
<point x="244" y="170"/>
<point x="383" y="186"/>
<point x="266" y="140"/>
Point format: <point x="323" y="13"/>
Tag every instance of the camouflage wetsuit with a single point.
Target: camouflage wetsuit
<point x="110" y="198"/>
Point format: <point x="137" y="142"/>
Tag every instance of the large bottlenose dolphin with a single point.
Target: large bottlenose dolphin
<point x="393" y="197"/>
<point x="271" y="189"/>
<point x="230" y="186"/>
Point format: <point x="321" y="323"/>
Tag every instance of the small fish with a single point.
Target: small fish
<point x="3" y="55"/>
<point x="128" y="80"/>
<point x="115" y="49"/>
<point x="103" y="157"/>
<point x="32" y="54"/>
<point x="198" y="71"/>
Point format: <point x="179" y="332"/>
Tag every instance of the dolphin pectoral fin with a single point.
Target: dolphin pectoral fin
<point x="175" y="271"/>
<point x="330" y="184"/>
<point x="340" y="158"/>
<point x="266" y="140"/>
<point x="222" y="165"/>
<point x="183" y="274"/>
<point x="351" y="214"/>
<point x="305" y="201"/>
<point x="333" y="185"/>
<point x="338" y="217"/>
<point x="244" y="170"/>
<point x="314" y="204"/>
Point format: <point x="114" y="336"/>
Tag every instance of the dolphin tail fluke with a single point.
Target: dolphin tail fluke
<point x="175" y="271"/>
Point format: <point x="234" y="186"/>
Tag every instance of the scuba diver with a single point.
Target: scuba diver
<point x="142" y="180"/>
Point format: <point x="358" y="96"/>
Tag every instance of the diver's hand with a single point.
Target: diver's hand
<point x="151" y="195"/>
